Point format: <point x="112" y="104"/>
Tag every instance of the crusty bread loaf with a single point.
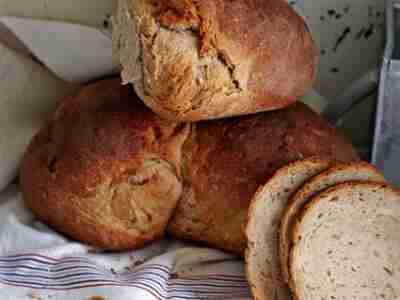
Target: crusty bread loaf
<point x="109" y="172"/>
<point x="194" y="60"/>
<point x="106" y="170"/>
<point x="225" y="161"/>
<point x="266" y="208"/>
<point x="358" y="171"/>
<point x="346" y="244"/>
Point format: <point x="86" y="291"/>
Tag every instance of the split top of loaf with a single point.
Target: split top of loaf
<point x="194" y="60"/>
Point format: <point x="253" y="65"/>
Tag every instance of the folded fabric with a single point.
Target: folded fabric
<point x="28" y="95"/>
<point x="38" y="263"/>
<point x="88" y="12"/>
<point x="75" y="53"/>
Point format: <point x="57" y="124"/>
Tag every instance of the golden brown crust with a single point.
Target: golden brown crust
<point x="216" y="58"/>
<point x="106" y="169"/>
<point x="227" y="160"/>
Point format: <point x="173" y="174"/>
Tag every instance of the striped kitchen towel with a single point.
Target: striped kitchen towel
<point x="38" y="263"/>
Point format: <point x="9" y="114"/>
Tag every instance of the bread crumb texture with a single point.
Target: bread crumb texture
<point x="336" y="174"/>
<point x="346" y="244"/>
<point x="262" y="229"/>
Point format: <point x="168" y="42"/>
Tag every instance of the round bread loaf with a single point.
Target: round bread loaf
<point x="266" y="209"/>
<point x="346" y="244"/>
<point x="225" y="161"/>
<point x="105" y="171"/>
<point x="109" y="172"/>
<point x="193" y="60"/>
<point x="340" y="173"/>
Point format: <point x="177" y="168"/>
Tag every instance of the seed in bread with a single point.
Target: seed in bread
<point x="346" y="244"/>
<point x="192" y="60"/>
<point x="358" y="171"/>
<point x="266" y="209"/>
<point x="106" y="170"/>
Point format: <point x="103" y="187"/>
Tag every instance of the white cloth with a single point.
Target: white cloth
<point x="28" y="95"/>
<point x="38" y="263"/>
<point x="75" y="53"/>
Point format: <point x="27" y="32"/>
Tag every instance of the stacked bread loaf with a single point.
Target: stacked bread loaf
<point x="118" y="165"/>
<point x="192" y="60"/>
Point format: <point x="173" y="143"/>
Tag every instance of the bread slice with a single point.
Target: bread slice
<point x="357" y="171"/>
<point x="346" y="244"/>
<point x="266" y="209"/>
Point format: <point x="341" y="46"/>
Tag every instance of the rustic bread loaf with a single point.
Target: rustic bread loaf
<point x="266" y="209"/>
<point x="346" y="244"/>
<point x="225" y="161"/>
<point x="109" y="172"/>
<point x="340" y="173"/>
<point x="193" y="60"/>
<point x="106" y="170"/>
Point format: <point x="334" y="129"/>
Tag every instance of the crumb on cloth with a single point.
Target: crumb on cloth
<point x="96" y="298"/>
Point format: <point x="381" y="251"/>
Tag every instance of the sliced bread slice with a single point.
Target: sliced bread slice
<point x="346" y="244"/>
<point x="265" y="212"/>
<point x="359" y="171"/>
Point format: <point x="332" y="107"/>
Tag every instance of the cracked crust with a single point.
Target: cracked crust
<point x="225" y="161"/>
<point x="192" y="60"/>
<point x="339" y="173"/>
<point x="106" y="170"/>
<point x="346" y="243"/>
